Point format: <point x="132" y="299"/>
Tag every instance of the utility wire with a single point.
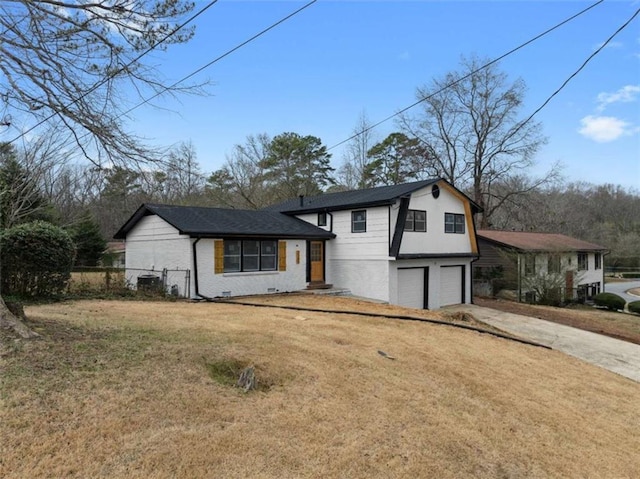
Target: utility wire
<point x="207" y="65"/>
<point x="573" y="75"/>
<point x="217" y="59"/>
<point x="453" y="83"/>
<point x="121" y="69"/>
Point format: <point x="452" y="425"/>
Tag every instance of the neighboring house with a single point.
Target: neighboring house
<point x="114" y="255"/>
<point x="528" y="261"/>
<point x="409" y="244"/>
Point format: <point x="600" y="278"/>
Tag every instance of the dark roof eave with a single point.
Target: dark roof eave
<point x="436" y="255"/>
<point x="209" y="235"/>
<point x="353" y="206"/>
<point x="538" y="250"/>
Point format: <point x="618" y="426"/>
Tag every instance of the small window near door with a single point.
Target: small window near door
<point x="416" y="221"/>
<point x="316" y="251"/>
<point x="359" y="221"/>
<point x="322" y="219"/>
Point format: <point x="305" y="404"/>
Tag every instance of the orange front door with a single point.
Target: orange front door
<point x="317" y="261"/>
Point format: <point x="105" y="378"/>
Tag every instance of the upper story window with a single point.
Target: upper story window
<point x="322" y="219"/>
<point x="553" y="263"/>
<point x="416" y="221"/>
<point x="529" y="265"/>
<point x="359" y="221"/>
<point x="598" y="260"/>
<point x="453" y="223"/>
<point x="583" y="261"/>
<point x="250" y="255"/>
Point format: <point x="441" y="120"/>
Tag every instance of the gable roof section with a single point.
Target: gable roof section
<point x="382" y="195"/>
<point x="220" y="222"/>
<point x="527" y="241"/>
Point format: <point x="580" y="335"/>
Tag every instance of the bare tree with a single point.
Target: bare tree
<point x="241" y="183"/>
<point x="180" y="180"/>
<point x="470" y="125"/>
<point x="71" y="61"/>
<point x="352" y="174"/>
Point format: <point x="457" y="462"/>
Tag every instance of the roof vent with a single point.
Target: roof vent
<point x="301" y="200"/>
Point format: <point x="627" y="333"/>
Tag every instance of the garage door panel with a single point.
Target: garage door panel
<point x="411" y="287"/>
<point x="451" y="278"/>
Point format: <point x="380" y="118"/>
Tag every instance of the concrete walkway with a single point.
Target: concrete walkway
<point x="618" y="356"/>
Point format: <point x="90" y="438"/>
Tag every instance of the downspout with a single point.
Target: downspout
<point x="195" y="270"/>
<point x="471" y="275"/>
<point x="519" y="280"/>
<point x="604" y="253"/>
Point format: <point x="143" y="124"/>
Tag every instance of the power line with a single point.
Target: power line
<point x="453" y="83"/>
<point x="121" y="69"/>
<point x="217" y="59"/>
<point x="200" y="69"/>
<point x="580" y="68"/>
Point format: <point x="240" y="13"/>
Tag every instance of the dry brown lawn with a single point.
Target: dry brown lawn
<point x="123" y="389"/>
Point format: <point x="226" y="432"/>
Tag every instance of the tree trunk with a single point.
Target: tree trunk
<point x="10" y="321"/>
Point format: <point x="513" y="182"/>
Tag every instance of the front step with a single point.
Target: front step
<point x="319" y="285"/>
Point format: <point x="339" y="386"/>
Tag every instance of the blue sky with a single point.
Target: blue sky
<point x="317" y="72"/>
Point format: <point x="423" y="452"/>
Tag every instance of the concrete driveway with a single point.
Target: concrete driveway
<point x="621" y="289"/>
<point x="618" y="356"/>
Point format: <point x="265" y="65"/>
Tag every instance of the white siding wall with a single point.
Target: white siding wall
<point x="153" y="244"/>
<point x="591" y="275"/>
<point x="569" y="262"/>
<point x="372" y="244"/>
<point x="312" y="218"/>
<point x="435" y="240"/>
<point x="360" y="261"/>
<point x="259" y="282"/>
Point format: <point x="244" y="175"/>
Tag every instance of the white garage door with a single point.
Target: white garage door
<point x="411" y="287"/>
<point x="450" y="285"/>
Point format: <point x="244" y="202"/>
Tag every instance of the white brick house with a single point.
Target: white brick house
<point x="409" y="244"/>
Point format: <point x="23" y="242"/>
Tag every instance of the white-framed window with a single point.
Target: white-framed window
<point x="268" y="255"/>
<point x="416" y="221"/>
<point x="598" y="260"/>
<point x="232" y="256"/>
<point x="553" y="263"/>
<point x="454" y="223"/>
<point x="359" y="221"/>
<point x="529" y="265"/>
<point x="583" y="261"/>
<point x="250" y="255"/>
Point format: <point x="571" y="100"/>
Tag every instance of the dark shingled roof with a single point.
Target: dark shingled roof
<point x="382" y="195"/>
<point x="526" y="241"/>
<point x="219" y="222"/>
